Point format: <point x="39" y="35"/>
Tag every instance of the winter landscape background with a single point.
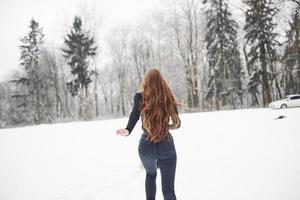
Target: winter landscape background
<point x="69" y="70"/>
<point x="85" y="60"/>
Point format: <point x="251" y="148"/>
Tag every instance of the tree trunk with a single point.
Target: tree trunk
<point x="65" y="91"/>
<point x="265" y="82"/>
<point x="96" y="93"/>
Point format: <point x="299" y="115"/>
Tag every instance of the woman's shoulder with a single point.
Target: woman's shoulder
<point x="138" y="95"/>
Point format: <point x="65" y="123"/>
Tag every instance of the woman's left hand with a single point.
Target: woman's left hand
<point x="122" y="132"/>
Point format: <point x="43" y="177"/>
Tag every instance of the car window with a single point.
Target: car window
<point x="295" y="97"/>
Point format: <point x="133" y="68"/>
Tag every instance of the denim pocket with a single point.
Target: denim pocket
<point x="166" y="146"/>
<point x="144" y="146"/>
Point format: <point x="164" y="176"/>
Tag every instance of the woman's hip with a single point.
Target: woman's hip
<point x="163" y="149"/>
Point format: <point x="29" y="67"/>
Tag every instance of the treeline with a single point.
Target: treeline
<point x="210" y="60"/>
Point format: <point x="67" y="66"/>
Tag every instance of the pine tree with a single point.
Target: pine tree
<point x="30" y="52"/>
<point x="291" y="56"/>
<point x="252" y="86"/>
<point x="225" y="66"/>
<point x="260" y="43"/>
<point x="80" y="49"/>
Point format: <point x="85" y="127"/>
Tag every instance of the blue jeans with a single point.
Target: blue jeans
<point x="162" y="154"/>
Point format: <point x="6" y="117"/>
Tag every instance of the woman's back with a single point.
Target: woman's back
<point x="136" y="112"/>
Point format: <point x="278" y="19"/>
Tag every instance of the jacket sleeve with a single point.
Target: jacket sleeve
<point x="173" y="125"/>
<point x="135" y="113"/>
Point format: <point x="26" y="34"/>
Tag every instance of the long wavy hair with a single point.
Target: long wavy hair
<point x="158" y="106"/>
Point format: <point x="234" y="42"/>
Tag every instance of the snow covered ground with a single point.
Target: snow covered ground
<point x="225" y="155"/>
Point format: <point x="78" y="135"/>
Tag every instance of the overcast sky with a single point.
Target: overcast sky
<point x="54" y="16"/>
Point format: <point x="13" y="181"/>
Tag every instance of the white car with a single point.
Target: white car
<point x="288" y="102"/>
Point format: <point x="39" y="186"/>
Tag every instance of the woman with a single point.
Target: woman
<point x="157" y="106"/>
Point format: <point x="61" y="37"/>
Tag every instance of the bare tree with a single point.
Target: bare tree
<point x="186" y="24"/>
<point x="118" y="45"/>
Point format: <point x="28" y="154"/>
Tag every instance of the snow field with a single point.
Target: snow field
<point x="224" y="155"/>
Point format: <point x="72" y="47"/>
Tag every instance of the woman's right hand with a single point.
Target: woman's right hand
<point x="122" y="132"/>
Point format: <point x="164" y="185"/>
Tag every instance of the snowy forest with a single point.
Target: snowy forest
<point x="211" y="59"/>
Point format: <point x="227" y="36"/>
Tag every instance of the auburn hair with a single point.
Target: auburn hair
<point x="158" y="106"/>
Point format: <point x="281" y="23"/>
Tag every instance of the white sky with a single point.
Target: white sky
<point x="55" y="16"/>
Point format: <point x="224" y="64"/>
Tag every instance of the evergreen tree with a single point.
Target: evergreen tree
<point x="80" y="49"/>
<point x="252" y="86"/>
<point x="260" y="43"/>
<point x="30" y="52"/>
<point x="225" y="66"/>
<point x="291" y="56"/>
